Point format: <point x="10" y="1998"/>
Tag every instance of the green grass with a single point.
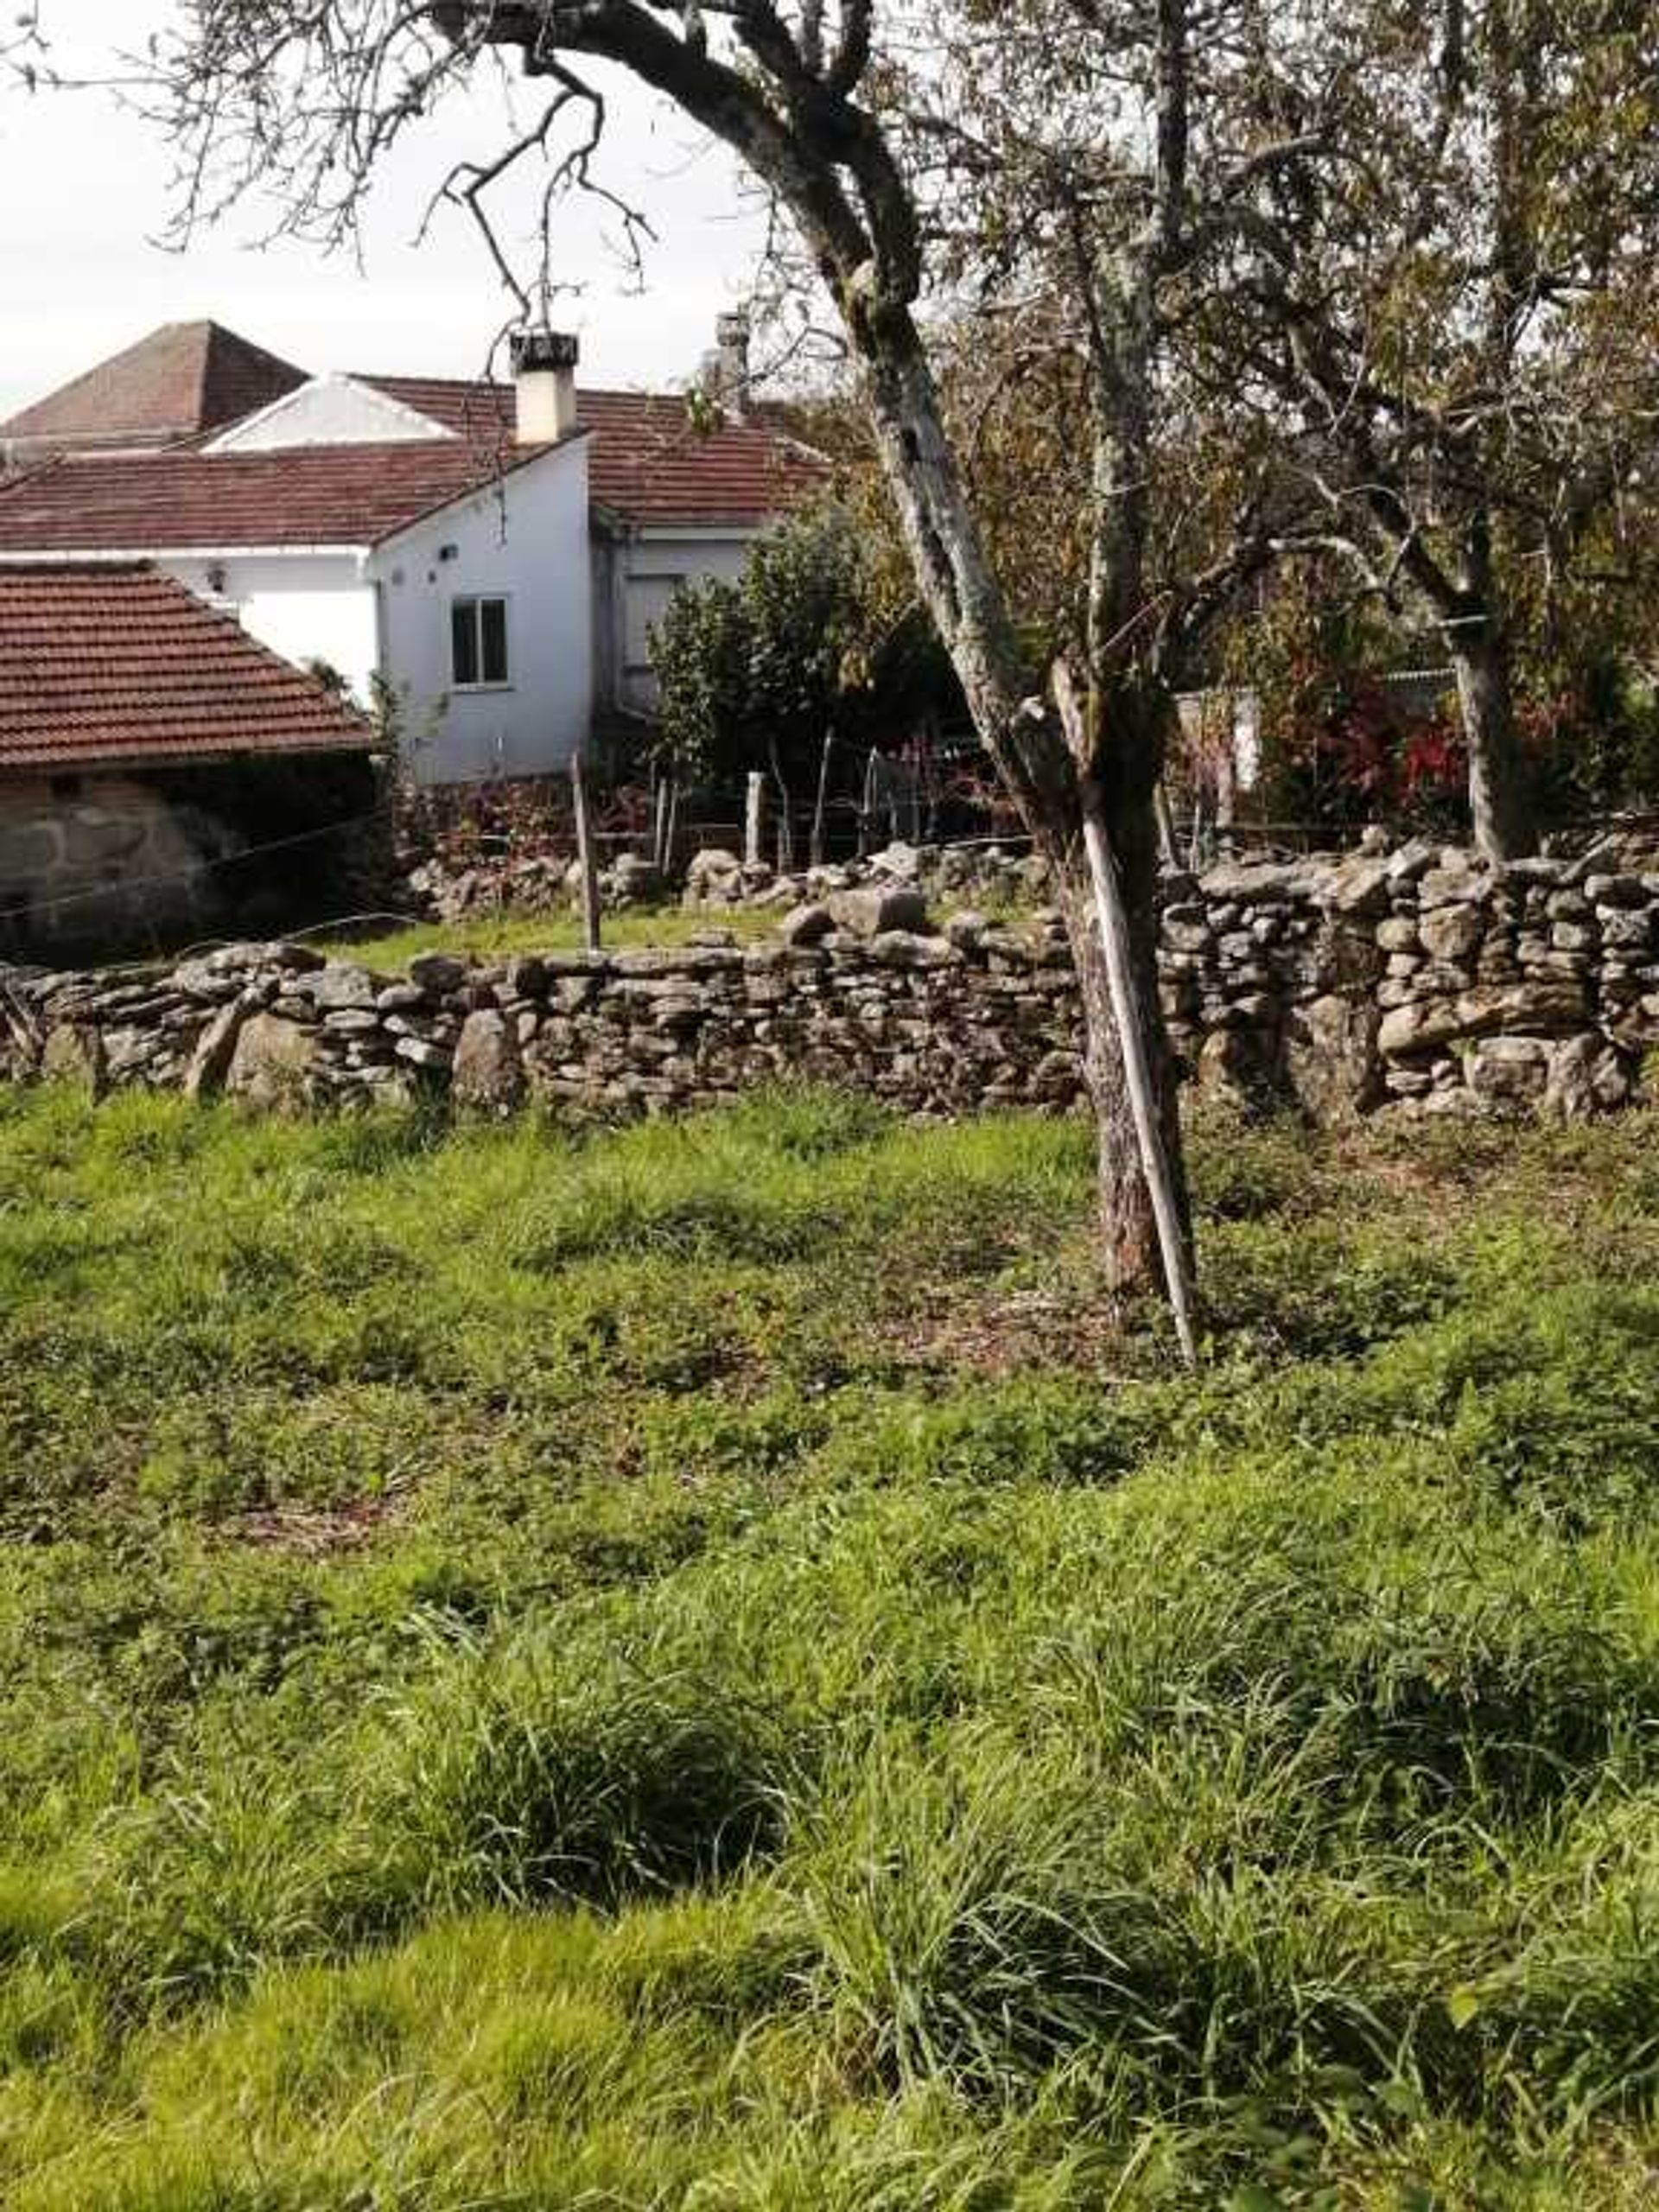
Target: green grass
<point x="690" y="1668"/>
<point x="497" y="937"/>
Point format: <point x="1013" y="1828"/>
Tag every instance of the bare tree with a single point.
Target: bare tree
<point x="1450" y="322"/>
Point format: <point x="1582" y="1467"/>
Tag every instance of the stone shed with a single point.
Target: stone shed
<point x="160" y="772"/>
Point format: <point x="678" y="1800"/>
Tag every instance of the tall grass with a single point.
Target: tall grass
<point x="686" y="1669"/>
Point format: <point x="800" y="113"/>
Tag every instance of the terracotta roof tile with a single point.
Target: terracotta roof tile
<point x="309" y="495"/>
<point x="181" y="380"/>
<point x="648" y="461"/>
<point x="108" y="664"/>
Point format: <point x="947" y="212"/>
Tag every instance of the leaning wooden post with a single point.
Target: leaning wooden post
<point x="588" y="865"/>
<point x="815" y="846"/>
<point x="1114" y="922"/>
<point x="754" y="818"/>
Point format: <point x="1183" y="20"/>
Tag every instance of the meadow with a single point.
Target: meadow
<point x="693" y="1667"/>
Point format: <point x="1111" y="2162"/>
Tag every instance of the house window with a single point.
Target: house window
<point x="478" y="643"/>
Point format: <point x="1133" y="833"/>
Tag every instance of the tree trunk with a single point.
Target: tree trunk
<point x="1036" y="764"/>
<point x="1499" y="803"/>
<point x="1128" y="1229"/>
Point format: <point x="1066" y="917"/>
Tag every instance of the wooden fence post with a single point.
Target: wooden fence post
<point x="754" y="818"/>
<point x="585" y="857"/>
<point x="820" y="812"/>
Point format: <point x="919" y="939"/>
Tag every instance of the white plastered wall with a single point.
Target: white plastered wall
<point x="647" y="567"/>
<point x="306" y="606"/>
<point x="523" y="540"/>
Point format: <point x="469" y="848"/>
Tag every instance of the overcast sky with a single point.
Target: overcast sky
<point x="84" y="189"/>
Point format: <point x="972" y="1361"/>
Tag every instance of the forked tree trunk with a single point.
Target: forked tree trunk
<point x="1499" y="802"/>
<point x="1031" y="751"/>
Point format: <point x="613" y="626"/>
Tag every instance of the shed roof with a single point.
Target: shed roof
<point x="109" y="664"/>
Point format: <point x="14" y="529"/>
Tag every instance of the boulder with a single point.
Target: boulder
<point x="711" y="863"/>
<point x="966" y="930"/>
<point x="1399" y="934"/>
<point x="420" y="1053"/>
<point x="807" y="924"/>
<point x="876" y="909"/>
<point x="631" y="880"/>
<point x="1360" y="886"/>
<point x="1617" y="891"/>
<point x="342" y="984"/>
<point x="438" y="974"/>
<point x="1411" y="861"/>
<point x="489" y="1073"/>
<point x="203" y="981"/>
<point x="526" y="976"/>
<point x="273" y="1063"/>
<point x="1544" y="1006"/>
<point x="900" y="862"/>
<point x="1452" y="933"/>
<point x="1255" y="882"/>
<point x="1331" y="1056"/>
<point x="912" y="949"/>
<point x="1510" y="1068"/>
<point x="1448" y="885"/>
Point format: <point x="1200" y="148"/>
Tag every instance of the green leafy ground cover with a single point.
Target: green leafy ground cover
<point x="687" y="1668"/>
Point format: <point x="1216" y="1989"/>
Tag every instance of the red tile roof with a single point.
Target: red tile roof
<point x="305" y="495"/>
<point x="183" y="379"/>
<point x="648" y="461"/>
<point x="108" y="666"/>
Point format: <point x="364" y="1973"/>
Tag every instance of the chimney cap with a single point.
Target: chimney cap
<point x="536" y="352"/>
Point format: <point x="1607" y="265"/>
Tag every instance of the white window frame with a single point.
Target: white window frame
<point x="476" y="601"/>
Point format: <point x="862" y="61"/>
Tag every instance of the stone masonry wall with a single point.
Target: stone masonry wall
<point x="112" y="856"/>
<point x="1414" y="981"/>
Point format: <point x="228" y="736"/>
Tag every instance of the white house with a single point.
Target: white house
<point x="487" y="558"/>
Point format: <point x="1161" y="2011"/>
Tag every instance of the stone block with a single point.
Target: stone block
<point x="420" y="1054"/>
<point x="341" y="985"/>
<point x="1510" y="1068"/>
<point x="74" y="1053"/>
<point x="489" y="1072"/>
<point x="438" y="974"/>
<point x="1617" y="891"/>
<point x="1452" y="933"/>
<point x="274" y="1062"/>
<point x="1331" y="1056"/>
<point x="878" y="908"/>
<point x="807" y="924"/>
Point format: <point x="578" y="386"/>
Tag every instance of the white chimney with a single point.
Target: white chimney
<point x="545" y="377"/>
<point x="726" y="370"/>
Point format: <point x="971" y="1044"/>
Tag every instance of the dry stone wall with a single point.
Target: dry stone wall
<point x="1415" y="982"/>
